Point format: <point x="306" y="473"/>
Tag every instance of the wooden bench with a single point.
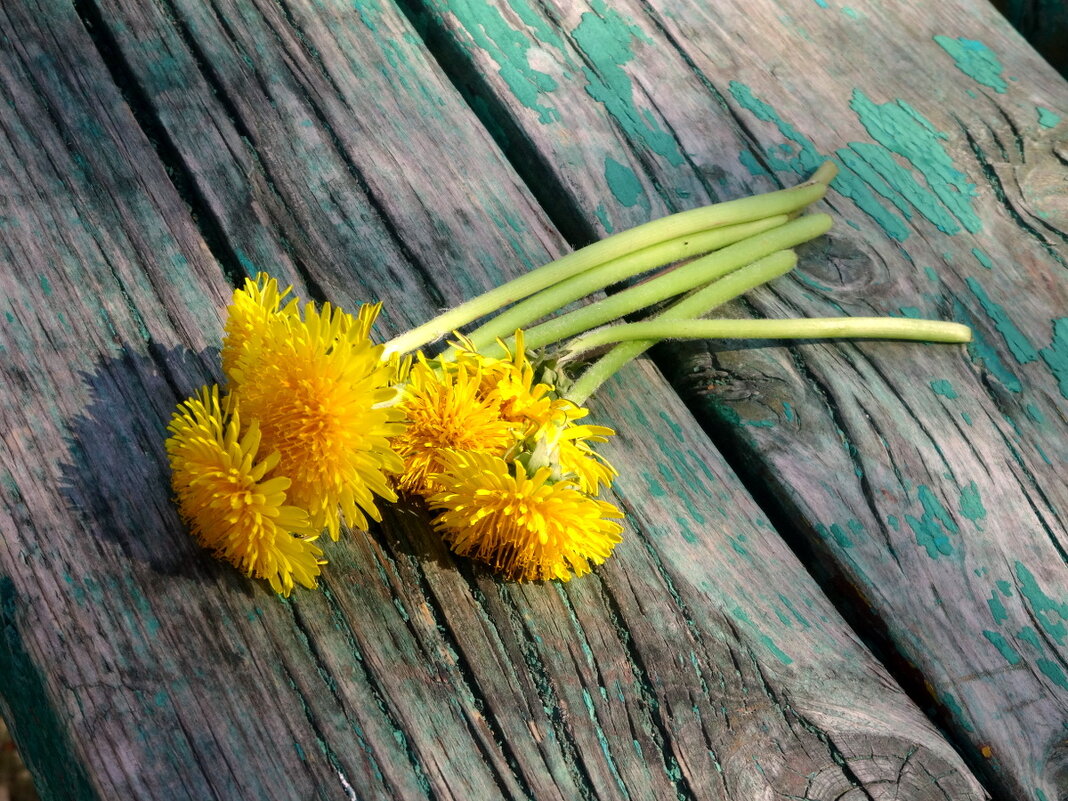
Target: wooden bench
<point x="844" y="570"/>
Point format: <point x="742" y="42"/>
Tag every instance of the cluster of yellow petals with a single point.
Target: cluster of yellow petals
<point x="506" y="460"/>
<point x="527" y="527"/>
<point x="229" y="503"/>
<point x="309" y="388"/>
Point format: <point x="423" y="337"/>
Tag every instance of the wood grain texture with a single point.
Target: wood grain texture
<point x="701" y="662"/>
<point x="931" y="478"/>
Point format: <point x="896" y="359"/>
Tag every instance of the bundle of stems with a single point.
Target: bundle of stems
<point x="732" y="247"/>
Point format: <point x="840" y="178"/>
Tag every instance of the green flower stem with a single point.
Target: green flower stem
<point x="699" y="302"/>
<point x="556" y="297"/>
<point x="684" y="223"/>
<point x="809" y="328"/>
<point x="681" y="279"/>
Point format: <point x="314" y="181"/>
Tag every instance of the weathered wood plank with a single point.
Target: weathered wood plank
<point x="931" y="476"/>
<point x="697" y="663"/>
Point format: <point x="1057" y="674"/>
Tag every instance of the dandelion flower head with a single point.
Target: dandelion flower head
<point x="252" y="307"/>
<point x="229" y="504"/>
<point x="445" y="409"/>
<point x="326" y="401"/>
<point x="524" y="525"/>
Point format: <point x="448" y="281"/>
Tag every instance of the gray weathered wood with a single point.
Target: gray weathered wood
<point x="701" y="661"/>
<point x="932" y="477"/>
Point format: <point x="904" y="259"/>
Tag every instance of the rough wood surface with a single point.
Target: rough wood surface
<point x="930" y="478"/>
<point x="701" y="662"/>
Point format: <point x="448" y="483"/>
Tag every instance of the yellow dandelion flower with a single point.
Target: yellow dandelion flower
<point x="526" y="526"/>
<point x="227" y="501"/>
<point x="247" y="316"/>
<point x="564" y="446"/>
<point x="445" y="410"/>
<point x="325" y="400"/>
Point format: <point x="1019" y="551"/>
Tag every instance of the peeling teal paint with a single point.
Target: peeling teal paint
<point x="1030" y="635"/>
<point x="840" y="537"/>
<point x="1047" y="118"/>
<point x="852" y="13"/>
<point x="975" y="60"/>
<point x="955" y="709"/>
<point x="931" y="274"/>
<point x="737" y="546"/>
<point x="764" y="638"/>
<point x="895" y="524"/>
<point x="971" y="504"/>
<point x="788" y="412"/>
<point x="997" y="609"/>
<point x="793" y="610"/>
<point x="898" y="127"/>
<point x="1044" y="608"/>
<point x="1005" y="587"/>
<point x="1056" y="355"/>
<point x="911" y="311"/>
<point x="861" y="183"/>
<point x="943" y="388"/>
<point x="687" y="532"/>
<point x="981" y="350"/>
<point x="606" y="39"/>
<point x="508" y="48"/>
<point x="1034" y="413"/>
<point x="982" y="258"/>
<point x="602" y="215"/>
<point x="967" y="418"/>
<point x="1020" y="347"/>
<point x="822" y="3"/>
<point x="655" y="488"/>
<point x="625" y="186"/>
<point x="1053" y="672"/>
<point x="932" y="530"/>
<point x="1010" y="654"/>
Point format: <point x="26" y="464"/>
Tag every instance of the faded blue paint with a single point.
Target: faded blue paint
<point x="1047" y="118"/>
<point x="982" y="258"/>
<point x="840" y="536"/>
<point x="625" y="186"/>
<point x="981" y="350"/>
<point x="932" y="530"/>
<point x="900" y="128"/>
<point x="1020" y="347"/>
<point x="764" y="638"/>
<point x="1056" y="355"/>
<point x="997" y="609"/>
<point x="895" y="524"/>
<point x="852" y="13"/>
<point x="975" y="60"/>
<point x="1034" y="413"/>
<point x="46" y="287"/>
<point x="1051" y="615"/>
<point x="943" y="388"/>
<point x="800" y="618"/>
<point x="967" y="418"/>
<point x="606" y="38"/>
<point x="971" y="504"/>
<point x="931" y="273"/>
<point x="602" y="215"/>
<point x="1011" y="655"/>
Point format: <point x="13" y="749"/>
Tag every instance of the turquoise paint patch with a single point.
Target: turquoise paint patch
<point x="1020" y="347"/>
<point x="943" y="388"/>
<point x="901" y="129"/>
<point x="932" y="530"/>
<point x="877" y="166"/>
<point x="1044" y="608"/>
<point x="1010" y="654"/>
<point x="955" y="709"/>
<point x="46" y="287"/>
<point x="1040" y="795"/>
<point x="840" y="537"/>
<point x="975" y="60"/>
<point x="676" y="429"/>
<point x="788" y="412"/>
<point x="895" y="524"/>
<point x="606" y="38"/>
<point x="625" y="186"/>
<point x="737" y="546"/>
<point x="1056" y="355"/>
<point x="687" y="532"/>
<point x="911" y="311"/>
<point x="655" y="488"/>
<point x="764" y="638"/>
<point x="749" y="161"/>
<point x="1005" y="587"/>
<point x="931" y="274"/>
<point x="1053" y="672"/>
<point x="997" y="609"/>
<point x="602" y="215"/>
<point x="793" y="610"/>
<point x="822" y="3"/>
<point x="1047" y="118"/>
<point x="1029" y="635"/>
<point x="967" y="418"/>
<point x="981" y="350"/>
<point x="852" y="13"/>
<point x="1034" y="413"/>
<point x="982" y="258"/>
<point x="808" y="158"/>
<point x="489" y="31"/>
<point x="971" y="505"/>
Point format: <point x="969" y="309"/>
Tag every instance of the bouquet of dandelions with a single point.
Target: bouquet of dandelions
<point x="317" y="424"/>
